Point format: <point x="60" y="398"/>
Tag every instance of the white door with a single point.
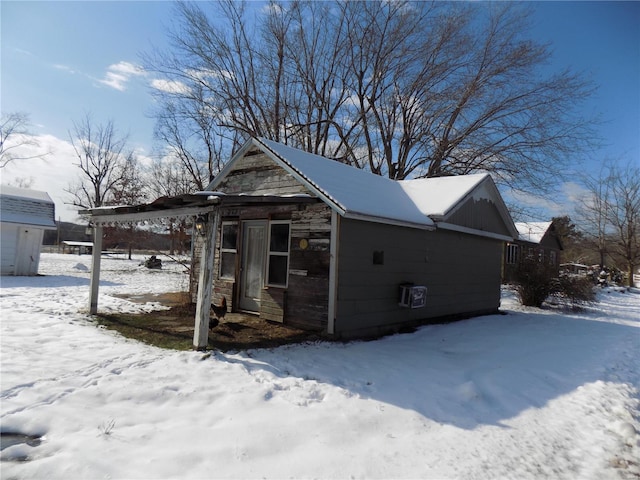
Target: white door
<point x="254" y="235"/>
<point x="28" y="253"/>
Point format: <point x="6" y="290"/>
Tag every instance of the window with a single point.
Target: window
<point x="278" y="261"/>
<point x="552" y="258"/>
<point x="228" y="250"/>
<point x="512" y="253"/>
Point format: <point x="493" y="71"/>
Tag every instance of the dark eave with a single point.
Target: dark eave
<point x="185" y="206"/>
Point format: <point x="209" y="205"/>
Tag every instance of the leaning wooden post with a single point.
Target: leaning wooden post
<point x="95" y="269"/>
<point x="205" y="283"/>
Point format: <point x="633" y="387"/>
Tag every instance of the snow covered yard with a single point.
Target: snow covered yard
<point x="530" y="394"/>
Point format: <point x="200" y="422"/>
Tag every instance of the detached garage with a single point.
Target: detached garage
<point x="24" y="216"/>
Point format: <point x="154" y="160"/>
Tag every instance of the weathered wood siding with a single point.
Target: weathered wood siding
<point x="304" y="303"/>
<point x="257" y="174"/>
<point x="460" y="271"/>
<point x="308" y="292"/>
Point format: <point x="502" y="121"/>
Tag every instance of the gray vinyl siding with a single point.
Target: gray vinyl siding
<point x="479" y="215"/>
<point x="460" y="271"/>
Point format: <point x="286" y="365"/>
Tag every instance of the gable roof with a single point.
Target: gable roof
<point x="352" y="192"/>
<point x="438" y="196"/>
<point x="26" y="207"/>
<point x="441" y="197"/>
<point x="532" y="232"/>
<point x="359" y="194"/>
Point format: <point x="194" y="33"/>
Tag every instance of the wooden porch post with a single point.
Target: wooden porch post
<point x="95" y="269"/>
<point x="205" y="283"/>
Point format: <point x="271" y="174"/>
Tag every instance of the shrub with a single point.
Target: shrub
<point x="535" y="282"/>
<point x="574" y="290"/>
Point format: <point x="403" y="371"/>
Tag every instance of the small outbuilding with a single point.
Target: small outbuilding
<point x="81" y="248"/>
<point x="24" y="216"/>
<point x="537" y="240"/>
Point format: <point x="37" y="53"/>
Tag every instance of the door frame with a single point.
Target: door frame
<point x="249" y="303"/>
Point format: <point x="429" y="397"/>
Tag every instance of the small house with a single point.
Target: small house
<point x="318" y="244"/>
<point x="24" y="216"/>
<point x="538" y="240"/>
<point x="299" y="239"/>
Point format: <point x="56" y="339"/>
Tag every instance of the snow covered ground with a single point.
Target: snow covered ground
<point x="530" y="394"/>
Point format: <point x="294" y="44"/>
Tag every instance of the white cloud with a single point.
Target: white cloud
<point x="119" y="74"/>
<point x="169" y="86"/>
<point x="64" y="68"/>
<point x="564" y="202"/>
<point x="574" y="192"/>
<point x="204" y="73"/>
<point x="51" y="174"/>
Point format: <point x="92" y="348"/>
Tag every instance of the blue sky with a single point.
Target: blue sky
<point x="60" y="60"/>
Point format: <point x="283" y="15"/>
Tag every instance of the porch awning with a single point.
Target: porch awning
<point x="183" y="206"/>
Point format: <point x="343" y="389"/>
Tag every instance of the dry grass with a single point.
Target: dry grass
<point x="173" y="328"/>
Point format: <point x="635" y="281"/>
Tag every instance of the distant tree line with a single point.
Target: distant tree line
<point x="607" y="228"/>
<point x="609" y="216"/>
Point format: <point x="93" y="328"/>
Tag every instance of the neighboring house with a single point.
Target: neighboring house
<point x="335" y="248"/>
<point x="537" y="240"/>
<point x="24" y="216"/>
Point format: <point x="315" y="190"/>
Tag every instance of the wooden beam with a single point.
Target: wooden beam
<point x="95" y="269"/>
<point x="333" y="273"/>
<point x="205" y="283"/>
<point x="115" y="217"/>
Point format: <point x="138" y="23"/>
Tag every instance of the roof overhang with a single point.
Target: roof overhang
<point x="183" y="206"/>
<point x="473" y="231"/>
<point x="42" y="223"/>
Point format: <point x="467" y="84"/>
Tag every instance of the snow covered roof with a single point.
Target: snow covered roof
<point x="353" y="192"/>
<point x="26" y="207"/>
<point x="356" y="193"/>
<point x="532" y="231"/>
<point x="437" y="196"/>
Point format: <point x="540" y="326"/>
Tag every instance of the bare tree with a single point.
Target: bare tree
<point x="130" y="189"/>
<point x="610" y="215"/>
<point x="168" y="178"/>
<point x="624" y="216"/>
<point x="189" y="134"/>
<point x="101" y="156"/>
<point x="16" y="140"/>
<point x="404" y="89"/>
<point x="593" y="211"/>
<point x="22" y="182"/>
